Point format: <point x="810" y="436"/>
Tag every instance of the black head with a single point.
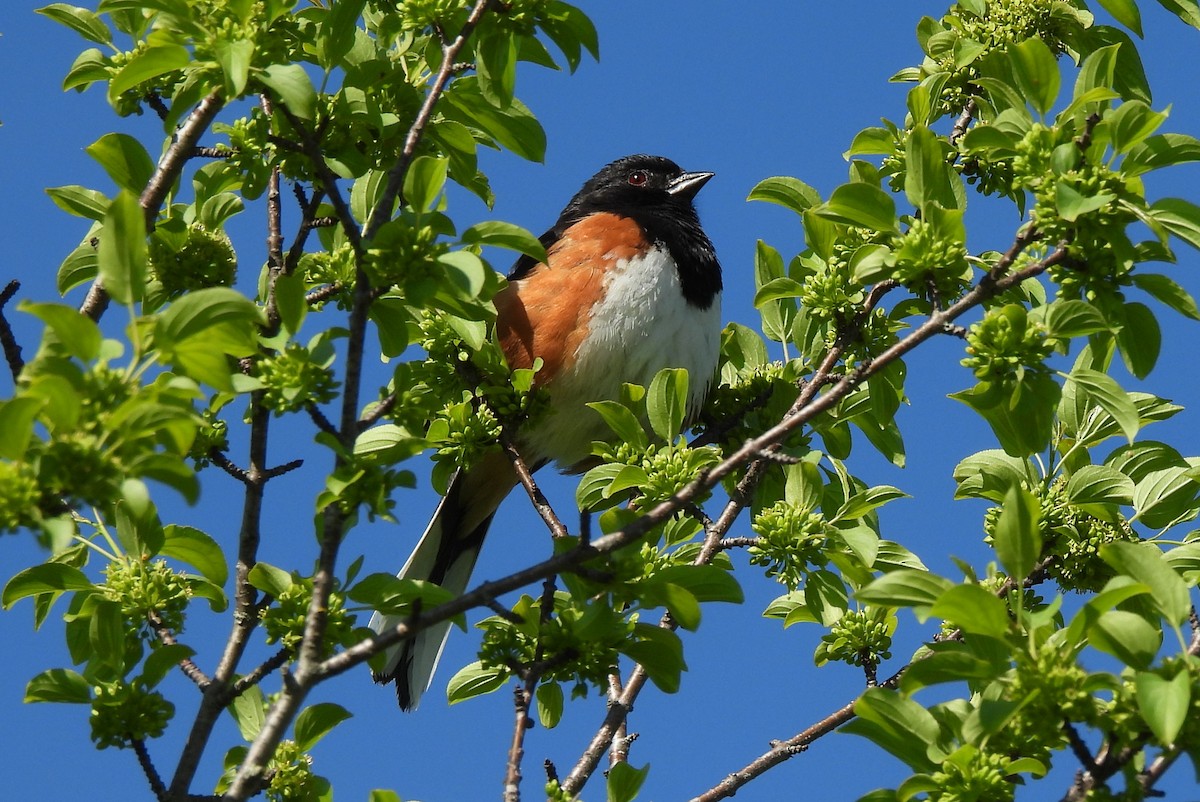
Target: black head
<point x="657" y="194"/>
<point x="631" y="185"/>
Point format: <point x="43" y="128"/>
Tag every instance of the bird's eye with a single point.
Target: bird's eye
<point x="638" y="178"/>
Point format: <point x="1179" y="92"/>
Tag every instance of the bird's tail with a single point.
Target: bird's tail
<point x="445" y="555"/>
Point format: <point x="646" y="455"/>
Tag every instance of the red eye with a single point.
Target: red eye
<point x="638" y="179"/>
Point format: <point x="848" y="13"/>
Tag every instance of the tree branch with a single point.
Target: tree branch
<point x="383" y="208"/>
<point x="165" y="176"/>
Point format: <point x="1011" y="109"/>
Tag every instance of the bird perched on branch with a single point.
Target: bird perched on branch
<point x="631" y="285"/>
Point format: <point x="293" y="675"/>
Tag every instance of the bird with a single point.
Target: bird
<point x="631" y="284"/>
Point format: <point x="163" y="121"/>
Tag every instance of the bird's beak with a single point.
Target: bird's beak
<point x="687" y="185"/>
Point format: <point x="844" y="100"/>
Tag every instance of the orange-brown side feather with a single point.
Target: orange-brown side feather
<point x="546" y="313"/>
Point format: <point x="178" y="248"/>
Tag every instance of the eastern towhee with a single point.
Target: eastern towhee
<point x="631" y="285"/>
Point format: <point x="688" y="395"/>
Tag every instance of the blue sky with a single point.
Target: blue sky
<point x="771" y="88"/>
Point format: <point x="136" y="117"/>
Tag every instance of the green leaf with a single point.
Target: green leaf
<point x="1139" y="338"/>
<point x="145" y="65"/>
<point x="927" y="175"/>
<point x="870" y="499"/>
<point x="474" y="680"/>
<point x="973" y="610"/>
<point x="1126" y="636"/>
<point x="1169" y="293"/>
<point x="382" y="795"/>
<point x="707" y="583"/>
<point x="200" y="312"/>
<point x="1161" y="150"/>
<point x="1180" y="217"/>
<point x="624" y="781"/>
<point x="122" y="250"/>
<point x="660" y="652"/>
<point x="549" y="704"/>
<point x="666" y="402"/>
<point x="336" y="32"/>
<point x="499" y="234"/>
<point x="51" y="578"/>
<point x="193" y="547"/>
<point x="1105" y="391"/>
<point x="1095" y="488"/>
<point x="315" y="722"/>
<point x="1132" y="123"/>
<point x="269" y="579"/>
<point x="73" y="330"/>
<point x="79" y="201"/>
<point x="1072" y="205"/>
<point x="776" y="288"/>
<point x="1164" y="703"/>
<point x="1017" y="538"/>
<point x="58" y="685"/>
<point x="16" y="425"/>
<point x="790" y="193"/>
<point x="1146" y="564"/>
<point x="1065" y="318"/>
<point x="898" y="724"/>
<point x="1163" y="495"/>
<point x="424" y="181"/>
<point x="622" y="421"/>
<point x="81" y="20"/>
<point x="234" y="56"/>
<point x="1036" y="71"/>
<point x="1186" y="10"/>
<point x="496" y="66"/>
<point x="248" y="712"/>
<point x="125" y="160"/>
<point x="684" y="607"/>
<point x="906" y="587"/>
<point x="91" y="66"/>
<point x="1125" y="12"/>
<point x="989" y="474"/>
<point x="106" y="636"/>
<point x="162" y="659"/>
<point x="514" y="127"/>
<point x="290" y="83"/>
<point x="860" y="204"/>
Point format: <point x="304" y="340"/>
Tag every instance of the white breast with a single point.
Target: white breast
<point x="642" y="325"/>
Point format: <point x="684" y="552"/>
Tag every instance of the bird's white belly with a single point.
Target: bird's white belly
<point x="642" y="325"/>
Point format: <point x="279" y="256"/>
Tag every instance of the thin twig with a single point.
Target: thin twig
<point x="450" y="50"/>
<point x="167" y="638"/>
<point x="260" y="672"/>
<point x="12" y="349"/>
<point x="557" y="528"/>
<point x="143" y="755"/>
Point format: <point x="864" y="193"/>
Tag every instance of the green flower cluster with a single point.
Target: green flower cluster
<point x="972" y="31"/>
<point x="198" y="259"/>
<point x="579" y="641"/>
<point x="929" y="262"/>
<point x="972" y="775"/>
<point x="1077" y="202"/>
<point x="19" y="495"/>
<point x="790" y="539"/>
<point x="404" y="254"/>
<point x="1074" y="538"/>
<point x="859" y="638"/>
<point x="144" y="587"/>
<point x="1005" y="344"/>
<point x="334" y="267"/>
<point x="292" y="778"/>
<point x="1052" y="688"/>
<point x="292" y="380"/>
<point x="126" y="712"/>
<point x="284" y="620"/>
